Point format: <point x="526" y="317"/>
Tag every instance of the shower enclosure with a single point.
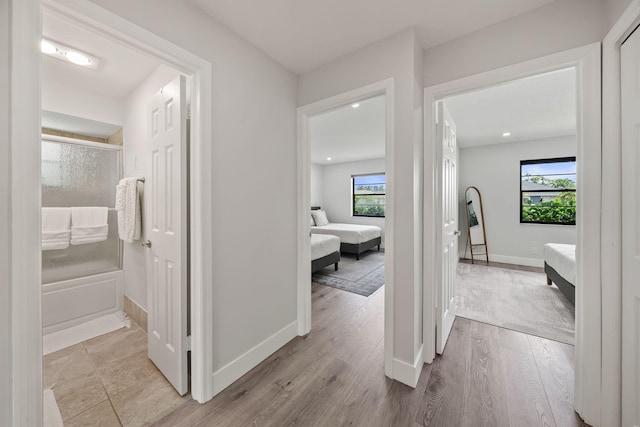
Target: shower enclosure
<point x="81" y="282"/>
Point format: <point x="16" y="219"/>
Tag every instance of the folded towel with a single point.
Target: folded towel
<point x="56" y="231"/>
<point x="89" y="224"/>
<point x="128" y="206"/>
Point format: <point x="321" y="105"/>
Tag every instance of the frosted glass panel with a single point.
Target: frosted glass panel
<point x="78" y="175"/>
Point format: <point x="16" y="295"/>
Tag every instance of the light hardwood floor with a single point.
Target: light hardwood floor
<point x="487" y="376"/>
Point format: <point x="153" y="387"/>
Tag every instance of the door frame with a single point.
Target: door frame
<point x="304" y="113"/>
<point x="612" y="215"/>
<point x="28" y="391"/>
<point x="586" y="61"/>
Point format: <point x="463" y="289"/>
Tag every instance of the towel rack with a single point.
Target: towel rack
<point x="141" y="179"/>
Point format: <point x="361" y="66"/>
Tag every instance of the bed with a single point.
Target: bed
<point x="354" y="238"/>
<point x="325" y="250"/>
<point x="560" y="267"/>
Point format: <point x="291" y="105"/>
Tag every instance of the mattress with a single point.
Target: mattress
<point x="349" y="233"/>
<point x="323" y="245"/>
<point x="562" y="258"/>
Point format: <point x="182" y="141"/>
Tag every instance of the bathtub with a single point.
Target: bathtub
<point x="75" y="301"/>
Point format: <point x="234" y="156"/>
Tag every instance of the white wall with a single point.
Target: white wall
<point x="495" y="171"/>
<point x="614" y="9"/>
<point x="136" y="155"/>
<point x="337" y="191"/>
<point x="393" y="57"/>
<point x="317" y="184"/>
<point x="6" y="366"/>
<point x="561" y="25"/>
<point x="61" y="96"/>
<point x="253" y="129"/>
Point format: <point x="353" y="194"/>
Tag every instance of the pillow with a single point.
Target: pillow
<point x="313" y="221"/>
<point x="320" y="217"/>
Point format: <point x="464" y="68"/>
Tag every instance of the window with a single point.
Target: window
<point x="548" y="191"/>
<point x="369" y="194"/>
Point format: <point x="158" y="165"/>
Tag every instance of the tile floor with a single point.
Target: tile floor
<point x="110" y="381"/>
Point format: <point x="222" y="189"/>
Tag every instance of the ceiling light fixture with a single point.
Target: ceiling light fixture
<point x="355" y="105"/>
<point x="47" y="47"/>
<point x="506" y="134"/>
<point x="78" y="58"/>
<point x="68" y="54"/>
<point x="328" y="159"/>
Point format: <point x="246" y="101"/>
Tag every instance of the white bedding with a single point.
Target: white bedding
<point x="562" y="258"/>
<point x="349" y="233"/>
<point x="323" y="245"/>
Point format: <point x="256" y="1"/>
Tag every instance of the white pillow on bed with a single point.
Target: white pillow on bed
<point x="320" y="217"/>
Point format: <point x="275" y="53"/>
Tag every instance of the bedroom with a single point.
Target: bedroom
<point x="516" y="195"/>
<point x="347" y="194"/>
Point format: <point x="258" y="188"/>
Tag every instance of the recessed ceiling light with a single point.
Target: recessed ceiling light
<point x="77" y="58"/>
<point x="355" y="105"/>
<point x="506" y="134"/>
<point x="328" y="159"/>
<point x="68" y="54"/>
<point x="47" y="47"/>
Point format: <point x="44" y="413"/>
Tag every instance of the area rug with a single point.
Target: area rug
<point x="77" y="334"/>
<point x="362" y="277"/>
<point x="51" y="412"/>
<point x="514" y="299"/>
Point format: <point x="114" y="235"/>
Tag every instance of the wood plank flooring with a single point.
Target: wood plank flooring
<point x="487" y="376"/>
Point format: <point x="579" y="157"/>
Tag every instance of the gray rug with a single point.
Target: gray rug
<point x="362" y="277"/>
<point x="513" y="299"/>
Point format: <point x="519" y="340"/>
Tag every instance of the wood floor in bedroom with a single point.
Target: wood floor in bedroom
<point x="334" y="376"/>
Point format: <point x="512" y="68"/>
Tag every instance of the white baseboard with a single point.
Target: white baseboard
<point x="530" y="262"/>
<point x="233" y="370"/>
<point x="408" y="374"/>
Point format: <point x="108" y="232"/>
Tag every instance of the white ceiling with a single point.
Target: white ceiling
<point x="537" y="107"/>
<point x="532" y="108"/>
<point x="349" y="134"/>
<point x="304" y="34"/>
<point x="120" y="69"/>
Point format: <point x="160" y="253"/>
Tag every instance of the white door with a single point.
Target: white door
<point x="166" y="229"/>
<point x="630" y="91"/>
<point x="446" y="155"/>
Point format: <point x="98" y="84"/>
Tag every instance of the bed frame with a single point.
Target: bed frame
<point x="325" y="261"/>
<point x="353" y="248"/>
<point x="565" y="287"/>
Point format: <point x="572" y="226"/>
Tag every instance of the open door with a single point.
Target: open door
<point x="630" y="112"/>
<point x="166" y="228"/>
<point x="447" y="251"/>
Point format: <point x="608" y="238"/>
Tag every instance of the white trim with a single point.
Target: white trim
<point x="83" y="142"/>
<point x="409" y="374"/>
<point x="515" y="260"/>
<point x="235" y="369"/>
<point x="24" y="209"/>
<point x="385" y="87"/>
<point x="101" y="21"/>
<point x="612" y="216"/>
<point x="586" y="61"/>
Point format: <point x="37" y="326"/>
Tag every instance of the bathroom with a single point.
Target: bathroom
<point x="100" y="121"/>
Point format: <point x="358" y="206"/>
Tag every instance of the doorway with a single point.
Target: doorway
<point x="305" y="115"/>
<point x="94" y="18"/>
<point x="517" y="141"/>
<point x="86" y="78"/>
<point x="586" y="61"/>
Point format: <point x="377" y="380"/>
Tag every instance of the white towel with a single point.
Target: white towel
<point x="128" y="206"/>
<point x="56" y="228"/>
<point x="89" y="224"/>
